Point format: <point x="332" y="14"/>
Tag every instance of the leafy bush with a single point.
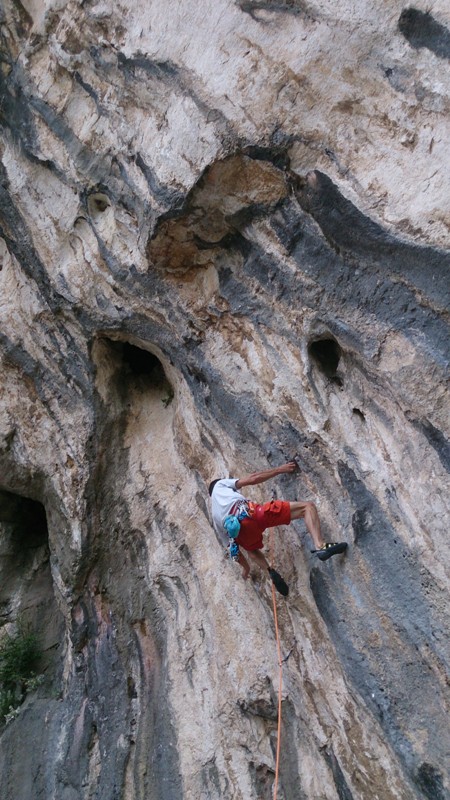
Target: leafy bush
<point x="19" y="656"/>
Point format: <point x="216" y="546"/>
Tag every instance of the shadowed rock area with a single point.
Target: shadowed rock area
<point x="223" y="244"/>
<point x="421" y="30"/>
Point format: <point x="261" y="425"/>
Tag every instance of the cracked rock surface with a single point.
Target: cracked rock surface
<point x="224" y="241"/>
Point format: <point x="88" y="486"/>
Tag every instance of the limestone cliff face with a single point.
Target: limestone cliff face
<point x="224" y="242"/>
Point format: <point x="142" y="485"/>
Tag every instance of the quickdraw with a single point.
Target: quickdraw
<point x="233" y="550"/>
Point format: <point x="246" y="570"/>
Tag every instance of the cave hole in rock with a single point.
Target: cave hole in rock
<point x="326" y="354"/>
<point x="142" y="362"/>
<point x="26" y="586"/>
<point x="145" y="365"/>
<point x="137" y="372"/>
<point x="358" y="413"/>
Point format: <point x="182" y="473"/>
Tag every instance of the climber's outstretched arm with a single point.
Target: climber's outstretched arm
<point x="266" y="475"/>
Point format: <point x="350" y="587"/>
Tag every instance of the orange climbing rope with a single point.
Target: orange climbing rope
<point x="280" y="673"/>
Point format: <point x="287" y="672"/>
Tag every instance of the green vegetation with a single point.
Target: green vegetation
<point x="19" y="657"/>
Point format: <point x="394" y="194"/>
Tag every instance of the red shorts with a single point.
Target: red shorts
<point x="276" y="512"/>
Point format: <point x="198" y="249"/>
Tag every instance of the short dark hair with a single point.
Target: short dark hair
<point x="212" y="485"/>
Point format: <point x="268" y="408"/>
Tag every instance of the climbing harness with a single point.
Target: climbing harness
<point x="280" y="674"/>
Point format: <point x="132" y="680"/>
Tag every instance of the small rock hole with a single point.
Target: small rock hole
<point x="430" y="781"/>
<point x="98" y="203"/>
<point x="326" y="354"/>
<point x="359" y="414"/>
<point x="420" y="29"/>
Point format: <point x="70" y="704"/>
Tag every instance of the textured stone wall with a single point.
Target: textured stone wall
<point x="224" y="242"/>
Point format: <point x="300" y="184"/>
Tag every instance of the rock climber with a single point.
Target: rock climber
<point x="240" y="523"/>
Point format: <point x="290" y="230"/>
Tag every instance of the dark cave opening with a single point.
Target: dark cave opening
<point x="134" y="371"/>
<point x="142" y="362"/>
<point x="134" y="366"/>
<point x="23" y="525"/>
<point x="326" y="354"/>
<point x="27" y="597"/>
<point x="147" y="371"/>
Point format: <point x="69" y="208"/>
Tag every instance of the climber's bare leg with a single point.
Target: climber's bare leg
<point x="258" y="557"/>
<point x="308" y="512"/>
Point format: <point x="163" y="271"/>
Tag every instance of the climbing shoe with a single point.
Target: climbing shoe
<point x="279" y="583"/>
<point x="330" y="549"/>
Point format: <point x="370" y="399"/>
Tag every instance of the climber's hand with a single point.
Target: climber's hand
<point x="291" y="466"/>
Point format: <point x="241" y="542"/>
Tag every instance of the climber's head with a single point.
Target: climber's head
<point x="212" y="485"/>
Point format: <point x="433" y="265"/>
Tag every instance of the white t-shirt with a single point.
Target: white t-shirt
<point x="223" y="499"/>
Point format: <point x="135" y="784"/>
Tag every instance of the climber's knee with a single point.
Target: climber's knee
<point x="300" y="508"/>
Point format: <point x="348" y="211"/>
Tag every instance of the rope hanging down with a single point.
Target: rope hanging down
<point x="280" y="674"/>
